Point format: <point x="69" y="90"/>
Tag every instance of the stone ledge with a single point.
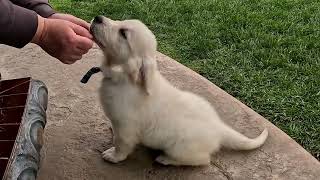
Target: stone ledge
<point x="77" y="131"/>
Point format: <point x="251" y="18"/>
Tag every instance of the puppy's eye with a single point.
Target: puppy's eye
<point x="123" y="33"/>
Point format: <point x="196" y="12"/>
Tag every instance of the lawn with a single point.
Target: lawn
<point x="265" y="53"/>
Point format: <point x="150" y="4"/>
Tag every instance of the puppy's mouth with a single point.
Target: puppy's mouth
<point x="98" y="42"/>
<point x="95" y="38"/>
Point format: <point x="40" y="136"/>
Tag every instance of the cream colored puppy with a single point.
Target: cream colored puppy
<point x="145" y="108"/>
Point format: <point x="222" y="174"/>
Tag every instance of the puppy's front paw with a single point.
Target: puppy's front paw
<point x="165" y="160"/>
<point x="111" y="155"/>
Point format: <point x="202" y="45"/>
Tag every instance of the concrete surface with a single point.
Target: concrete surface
<point x="77" y="131"/>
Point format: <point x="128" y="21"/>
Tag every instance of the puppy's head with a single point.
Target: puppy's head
<point x="129" y="43"/>
<point x="123" y="40"/>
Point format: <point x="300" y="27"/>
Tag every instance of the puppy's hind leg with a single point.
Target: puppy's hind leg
<point x="120" y="151"/>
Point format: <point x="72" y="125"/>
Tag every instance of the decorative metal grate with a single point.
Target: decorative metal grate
<point x="23" y="104"/>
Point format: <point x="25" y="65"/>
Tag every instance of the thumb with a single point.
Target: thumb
<point x="81" y="31"/>
<point x="82" y="23"/>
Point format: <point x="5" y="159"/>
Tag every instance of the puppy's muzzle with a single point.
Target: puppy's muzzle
<point x="96" y="20"/>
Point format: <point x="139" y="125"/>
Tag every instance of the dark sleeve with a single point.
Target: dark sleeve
<point x="42" y="7"/>
<point x="18" y="25"/>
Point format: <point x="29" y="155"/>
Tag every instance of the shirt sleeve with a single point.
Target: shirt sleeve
<point x="18" y="25"/>
<point x="41" y="7"/>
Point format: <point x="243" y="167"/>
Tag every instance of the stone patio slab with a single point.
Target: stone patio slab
<point x="77" y="130"/>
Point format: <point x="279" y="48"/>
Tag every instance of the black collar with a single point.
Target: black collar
<point x="88" y="75"/>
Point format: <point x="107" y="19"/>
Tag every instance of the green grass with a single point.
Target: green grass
<point x="265" y="53"/>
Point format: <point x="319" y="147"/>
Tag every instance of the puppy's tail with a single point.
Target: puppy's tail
<point x="234" y="140"/>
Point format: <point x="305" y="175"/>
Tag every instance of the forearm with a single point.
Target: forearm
<point x="41" y="7"/>
<point x="18" y="25"/>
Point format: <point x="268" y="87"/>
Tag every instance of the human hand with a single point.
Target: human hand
<point x="62" y="39"/>
<point x="70" y="18"/>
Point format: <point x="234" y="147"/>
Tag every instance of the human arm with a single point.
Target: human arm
<point x="41" y="7"/>
<point x="18" y="25"/>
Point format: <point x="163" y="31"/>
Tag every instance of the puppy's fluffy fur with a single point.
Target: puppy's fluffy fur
<point x="145" y="108"/>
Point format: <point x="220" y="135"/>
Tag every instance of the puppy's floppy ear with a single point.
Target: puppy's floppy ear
<point x="146" y="74"/>
<point x="141" y="72"/>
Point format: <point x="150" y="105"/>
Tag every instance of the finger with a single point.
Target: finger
<point x="72" y="19"/>
<point x="73" y="58"/>
<point x="82" y="51"/>
<point x="79" y="51"/>
<point x="84" y="43"/>
<point x="68" y="62"/>
<point x="76" y="57"/>
<point x="70" y="59"/>
<point x="81" y="31"/>
<point x="78" y="21"/>
<point x="82" y="23"/>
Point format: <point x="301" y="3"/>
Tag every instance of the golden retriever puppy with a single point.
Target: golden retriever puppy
<point x="144" y="108"/>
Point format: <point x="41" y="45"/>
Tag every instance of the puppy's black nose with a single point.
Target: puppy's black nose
<point x="98" y="19"/>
